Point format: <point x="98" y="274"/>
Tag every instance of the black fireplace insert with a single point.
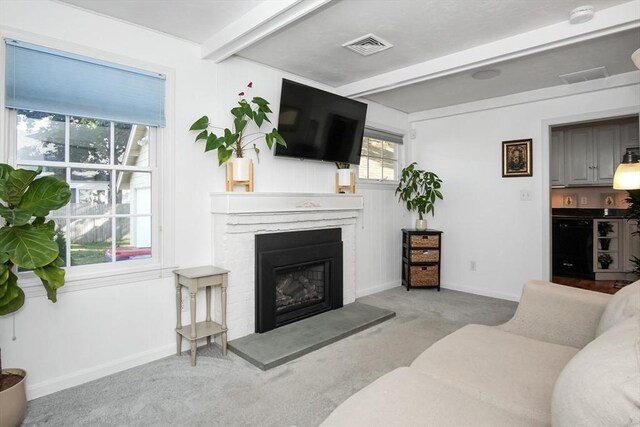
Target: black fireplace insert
<point x="298" y="275"/>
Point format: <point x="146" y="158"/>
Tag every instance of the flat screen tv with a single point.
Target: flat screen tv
<point x="320" y="125"/>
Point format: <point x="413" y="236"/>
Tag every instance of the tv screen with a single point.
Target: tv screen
<point x="320" y="125"/>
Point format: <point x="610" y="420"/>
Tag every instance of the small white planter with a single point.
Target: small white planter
<point x="344" y="177"/>
<point x="421" y="224"/>
<point x="241" y="168"/>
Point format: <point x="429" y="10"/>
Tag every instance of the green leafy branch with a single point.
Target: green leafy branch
<point x="234" y="141"/>
<point x="419" y="189"/>
<point x="27" y="238"/>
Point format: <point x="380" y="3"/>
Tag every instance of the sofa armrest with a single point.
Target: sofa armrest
<point x="557" y="314"/>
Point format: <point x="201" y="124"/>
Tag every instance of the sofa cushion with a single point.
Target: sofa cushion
<point x="406" y="398"/>
<point x="510" y="371"/>
<point x="624" y="304"/>
<point x="601" y="384"/>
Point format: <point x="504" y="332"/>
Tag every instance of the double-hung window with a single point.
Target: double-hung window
<point x="94" y="125"/>
<point x="379" y="158"/>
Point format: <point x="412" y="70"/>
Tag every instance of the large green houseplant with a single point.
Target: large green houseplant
<point x="235" y="140"/>
<point x="419" y="190"/>
<point x="26" y="242"/>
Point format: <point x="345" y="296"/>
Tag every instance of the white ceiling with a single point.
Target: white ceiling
<point x="423" y="70"/>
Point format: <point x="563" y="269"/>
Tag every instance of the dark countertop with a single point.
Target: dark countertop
<point x="587" y="213"/>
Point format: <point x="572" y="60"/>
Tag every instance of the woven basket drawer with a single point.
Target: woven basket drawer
<point x="424" y="276"/>
<point x="425" y="255"/>
<point x="425" y="241"/>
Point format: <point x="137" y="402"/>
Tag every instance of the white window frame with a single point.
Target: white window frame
<point x="400" y="153"/>
<point x="162" y="262"/>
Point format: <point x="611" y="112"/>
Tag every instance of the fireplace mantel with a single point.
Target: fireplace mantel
<point x="252" y="203"/>
<point x="238" y="217"/>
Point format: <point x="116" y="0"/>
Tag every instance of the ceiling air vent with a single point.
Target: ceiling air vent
<point x="367" y="45"/>
<point x="584" y="75"/>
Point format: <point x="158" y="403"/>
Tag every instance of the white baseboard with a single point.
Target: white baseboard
<point x="483" y="292"/>
<point x="375" y="289"/>
<point x="71" y="380"/>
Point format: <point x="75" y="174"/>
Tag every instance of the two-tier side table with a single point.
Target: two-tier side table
<point x="194" y="279"/>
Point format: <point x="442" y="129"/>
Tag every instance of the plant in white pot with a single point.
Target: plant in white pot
<point x="27" y="241"/>
<point x="419" y="189"/>
<point x="235" y="141"/>
<point x="344" y="173"/>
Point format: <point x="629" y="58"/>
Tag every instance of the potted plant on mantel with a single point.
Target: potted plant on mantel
<point x="419" y="189"/>
<point x="344" y="173"/>
<point x="26" y="242"/>
<point x="235" y="141"/>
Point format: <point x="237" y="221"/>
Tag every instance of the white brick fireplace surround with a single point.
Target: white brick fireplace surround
<point x="238" y="217"/>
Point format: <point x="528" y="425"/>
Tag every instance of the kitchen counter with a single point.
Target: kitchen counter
<point x="587" y="213"/>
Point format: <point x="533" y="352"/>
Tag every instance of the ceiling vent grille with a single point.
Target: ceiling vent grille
<point x="368" y="45"/>
<point x="584" y="75"/>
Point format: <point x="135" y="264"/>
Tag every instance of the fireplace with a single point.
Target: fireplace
<point x="298" y="275"/>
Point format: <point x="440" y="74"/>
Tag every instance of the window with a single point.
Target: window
<point x="379" y="158"/>
<point x="95" y="125"/>
<point x="107" y="166"/>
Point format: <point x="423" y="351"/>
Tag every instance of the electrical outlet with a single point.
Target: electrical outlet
<point x="583" y="200"/>
<point x="525" y="195"/>
<point x="472" y="265"/>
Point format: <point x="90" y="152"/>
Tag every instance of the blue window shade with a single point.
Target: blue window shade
<point x="43" y="79"/>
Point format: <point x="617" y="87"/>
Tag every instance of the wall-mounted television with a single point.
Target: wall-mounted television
<point x="320" y="125"/>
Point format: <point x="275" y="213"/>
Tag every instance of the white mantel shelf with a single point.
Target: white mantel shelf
<point x="252" y="203"/>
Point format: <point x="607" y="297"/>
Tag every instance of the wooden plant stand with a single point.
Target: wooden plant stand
<point x="351" y="187"/>
<point x="232" y="183"/>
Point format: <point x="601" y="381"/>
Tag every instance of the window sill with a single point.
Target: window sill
<point x="374" y="184"/>
<point x="32" y="286"/>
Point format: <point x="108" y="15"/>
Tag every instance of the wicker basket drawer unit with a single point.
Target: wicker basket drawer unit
<point x="425" y="241"/>
<point x="421" y="258"/>
<point x="423" y="276"/>
<point x="424" y="255"/>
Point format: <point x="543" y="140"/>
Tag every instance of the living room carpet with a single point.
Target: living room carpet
<point x="229" y="391"/>
<point x="281" y="345"/>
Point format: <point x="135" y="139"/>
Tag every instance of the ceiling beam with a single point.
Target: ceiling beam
<point x="256" y="24"/>
<point x="608" y="21"/>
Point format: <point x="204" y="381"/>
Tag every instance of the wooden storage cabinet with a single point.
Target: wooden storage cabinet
<point x="421" y="258"/>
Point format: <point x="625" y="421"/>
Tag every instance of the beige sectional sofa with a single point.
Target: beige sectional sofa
<point x="568" y="357"/>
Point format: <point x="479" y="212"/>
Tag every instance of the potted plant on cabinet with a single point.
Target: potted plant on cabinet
<point x="419" y="189"/>
<point x="235" y="141"/>
<point x="26" y="242"/>
<point x="604" y="228"/>
<point x="605" y="261"/>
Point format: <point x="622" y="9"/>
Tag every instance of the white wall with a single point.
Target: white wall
<point x="481" y="215"/>
<point x="93" y="332"/>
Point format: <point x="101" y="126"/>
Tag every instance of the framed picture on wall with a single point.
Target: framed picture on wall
<point x="516" y="158"/>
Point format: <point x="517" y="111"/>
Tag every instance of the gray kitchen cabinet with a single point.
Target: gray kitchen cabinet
<point x="556" y="167"/>
<point x="578" y="150"/>
<point x="592" y="154"/>
<point x="629" y="137"/>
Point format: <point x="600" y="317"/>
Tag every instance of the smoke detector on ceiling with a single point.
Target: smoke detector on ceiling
<point x="368" y="45"/>
<point x="581" y="14"/>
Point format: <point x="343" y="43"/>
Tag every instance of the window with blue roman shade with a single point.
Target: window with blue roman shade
<point x="43" y="79"/>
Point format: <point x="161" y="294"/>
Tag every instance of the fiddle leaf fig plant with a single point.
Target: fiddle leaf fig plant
<point x="419" y="189"/>
<point x="234" y="141"/>
<point x="27" y="238"/>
